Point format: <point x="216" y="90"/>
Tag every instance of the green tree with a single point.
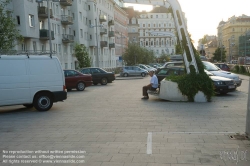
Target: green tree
<point x="8" y="32"/>
<point x="82" y="56"/>
<point x="163" y="58"/>
<point x="134" y="54"/>
<point x="218" y="54"/>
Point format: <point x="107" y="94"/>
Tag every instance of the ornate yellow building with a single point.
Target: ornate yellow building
<point x="229" y="33"/>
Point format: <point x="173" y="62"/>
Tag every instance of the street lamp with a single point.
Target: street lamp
<point x="221" y="49"/>
<point x="48" y="8"/>
<point x="202" y="50"/>
<point x="97" y="44"/>
<point x="230" y="45"/>
<point x="121" y="42"/>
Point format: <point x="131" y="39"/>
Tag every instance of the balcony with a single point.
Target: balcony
<point x="103" y="18"/>
<point x="66" y="2"/>
<point x="43" y="12"/>
<point x="112" y="45"/>
<point x="111" y="34"/>
<point x="111" y="22"/>
<point x="103" y="43"/>
<point x="67" y="38"/>
<point x="67" y="20"/>
<point x="103" y="31"/>
<point x="44" y="34"/>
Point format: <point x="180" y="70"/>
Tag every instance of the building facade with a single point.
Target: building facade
<point x="157" y="31"/>
<point x="229" y="34"/>
<point x="87" y="22"/>
<point x="121" y="33"/>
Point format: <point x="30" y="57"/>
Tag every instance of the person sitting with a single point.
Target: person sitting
<point x="152" y="86"/>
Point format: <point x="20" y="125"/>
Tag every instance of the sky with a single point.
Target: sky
<point x="204" y="16"/>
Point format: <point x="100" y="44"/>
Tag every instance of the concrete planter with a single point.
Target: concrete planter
<point x="169" y="91"/>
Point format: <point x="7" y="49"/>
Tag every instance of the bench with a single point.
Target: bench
<point x="154" y="92"/>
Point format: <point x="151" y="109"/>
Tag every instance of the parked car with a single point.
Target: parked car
<point x="174" y="63"/>
<point x="155" y="65"/>
<point x="133" y="71"/>
<point x="31" y="80"/>
<point x="99" y="75"/>
<point x="143" y="67"/>
<point x="77" y="80"/>
<point x="151" y="68"/>
<point x="223" y="66"/>
<point x="222" y="85"/>
<point x="218" y="72"/>
<point x="164" y="72"/>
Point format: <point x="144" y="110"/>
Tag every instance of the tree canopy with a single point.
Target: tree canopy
<point x="134" y="54"/>
<point x="219" y="55"/>
<point x="82" y="56"/>
<point x="8" y="32"/>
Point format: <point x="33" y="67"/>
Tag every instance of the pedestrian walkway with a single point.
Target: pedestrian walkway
<point x="116" y="128"/>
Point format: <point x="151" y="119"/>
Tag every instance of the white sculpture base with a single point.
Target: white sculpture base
<point x="170" y="91"/>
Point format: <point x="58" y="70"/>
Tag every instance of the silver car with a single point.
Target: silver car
<point x="218" y="72"/>
<point x="133" y="71"/>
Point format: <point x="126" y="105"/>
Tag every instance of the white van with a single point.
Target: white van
<point x="35" y="80"/>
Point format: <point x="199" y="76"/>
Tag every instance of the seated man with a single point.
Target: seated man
<point x="152" y="86"/>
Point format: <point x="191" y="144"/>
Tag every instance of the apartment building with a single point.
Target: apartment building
<point x="157" y="31"/>
<point x="208" y="48"/>
<point x="121" y="32"/>
<point x="133" y="32"/>
<point x="229" y="33"/>
<point x="87" y="22"/>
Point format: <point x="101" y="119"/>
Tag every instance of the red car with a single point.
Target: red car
<point x="223" y="66"/>
<point x="77" y="80"/>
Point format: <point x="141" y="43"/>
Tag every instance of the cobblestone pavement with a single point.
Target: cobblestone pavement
<point x="116" y="128"/>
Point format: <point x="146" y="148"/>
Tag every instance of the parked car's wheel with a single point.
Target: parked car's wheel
<point x="143" y="74"/>
<point x="43" y="101"/>
<point x="125" y="74"/>
<point x="80" y="86"/>
<point x="28" y="105"/>
<point x="104" y="81"/>
<point x="95" y="83"/>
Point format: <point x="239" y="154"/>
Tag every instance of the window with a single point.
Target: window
<point x="80" y="15"/>
<point x="85" y="35"/>
<point x="43" y="47"/>
<point x="59" y="48"/>
<point x="18" y="20"/>
<point x="24" y="47"/>
<point x="73" y="15"/>
<point x="89" y="7"/>
<point x="74" y="33"/>
<point x="31" y="20"/>
<point x="58" y="29"/>
<point x="90" y="37"/>
<point x="34" y="46"/>
<point x="81" y="33"/>
<point x="89" y="22"/>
